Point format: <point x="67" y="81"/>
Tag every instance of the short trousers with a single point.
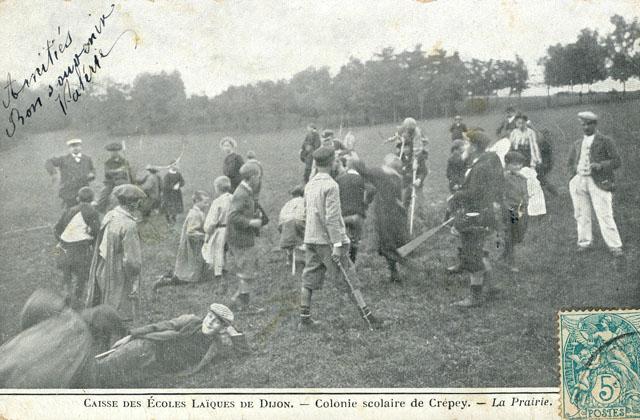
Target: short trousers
<point x="246" y="262"/>
<point x="318" y="265"/>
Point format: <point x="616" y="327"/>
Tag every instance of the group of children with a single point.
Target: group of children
<point x="206" y="235"/>
<point x="524" y="166"/>
<point x="203" y="242"/>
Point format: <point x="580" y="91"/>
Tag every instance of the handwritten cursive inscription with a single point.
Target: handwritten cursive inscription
<point x="70" y="84"/>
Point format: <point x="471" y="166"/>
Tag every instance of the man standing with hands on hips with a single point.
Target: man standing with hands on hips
<point x="592" y="161"/>
<point x="76" y="171"/>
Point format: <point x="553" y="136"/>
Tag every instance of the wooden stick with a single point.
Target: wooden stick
<point x="106" y="353"/>
<point x="293" y="262"/>
<point x="409" y="247"/>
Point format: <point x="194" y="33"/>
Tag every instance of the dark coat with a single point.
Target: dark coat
<point x="73" y="175"/>
<point x="456" y="167"/>
<point x="117" y="171"/>
<point x="309" y="145"/>
<point x="352" y="194"/>
<point x="457" y="130"/>
<point x="231" y="168"/>
<point x="390" y="216"/>
<point x="56" y="348"/>
<point x="603" y="151"/>
<point x="482" y="187"/>
<point x="172" y="199"/>
<point x="243" y="208"/>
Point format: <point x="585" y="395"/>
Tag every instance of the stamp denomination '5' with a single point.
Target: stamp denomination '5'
<point x="600" y="364"/>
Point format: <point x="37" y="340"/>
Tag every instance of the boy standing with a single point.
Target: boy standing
<point x="243" y="227"/>
<point x="172" y="184"/>
<point x="76" y="231"/>
<point x="457" y="129"/>
<point x="456" y="166"/>
<point x="116" y="172"/>
<point x="326" y="241"/>
<point x="515" y="205"/>
<point x="310" y="144"/>
<point x="475" y="204"/>
<point x="151" y="184"/>
<point x="352" y="202"/>
<point x="215" y="226"/>
<point x="114" y="278"/>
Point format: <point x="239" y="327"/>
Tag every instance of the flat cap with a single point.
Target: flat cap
<point x="327" y="134"/>
<point x="587" y="116"/>
<point x="478" y="138"/>
<point x="515" y="157"/>
<point x="324" y="155"/>
<point x="249" y="169"/>
<point x="86" y="194"/>
<point x="129" y="192"/>
<point x="74" y="141"/>
<point x="222" y="312"/>
<point x="113" y="147"/>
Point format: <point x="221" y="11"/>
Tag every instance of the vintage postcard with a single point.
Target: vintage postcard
<point x="267" y="209"/>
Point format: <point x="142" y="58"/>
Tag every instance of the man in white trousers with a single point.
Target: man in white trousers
<point x="592" y="162"/>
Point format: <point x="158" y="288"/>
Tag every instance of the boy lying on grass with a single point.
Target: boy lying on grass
<point x="185" y="344"/>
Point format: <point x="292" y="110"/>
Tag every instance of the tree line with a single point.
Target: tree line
<point x="385" y="88"/>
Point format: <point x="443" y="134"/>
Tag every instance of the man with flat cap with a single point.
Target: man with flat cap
<point x="114" y="278"/>
<point x="76" y="171"/>
<point x="116" y="172"/>
<point x="476" y="206"/>
<point x="592" y="161"/>
<point x="326" y="241"/>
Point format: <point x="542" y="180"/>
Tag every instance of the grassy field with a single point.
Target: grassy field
<point x="511" y="341"/>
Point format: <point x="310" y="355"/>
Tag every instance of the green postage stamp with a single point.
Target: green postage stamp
<point x="600" y="364"/>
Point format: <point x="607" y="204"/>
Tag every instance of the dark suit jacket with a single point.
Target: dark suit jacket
<point x="73" y="175"/>
<point x="482" y="186"/>
<point x="239" y="233"/>
<point x="604" y="152"/>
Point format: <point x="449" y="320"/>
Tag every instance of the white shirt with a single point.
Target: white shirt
<point x="584" y="164"/>
<point x="77" y="230"/>
<point x="77" y="157"/>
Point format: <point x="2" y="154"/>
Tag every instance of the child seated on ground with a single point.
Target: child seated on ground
<point x="291" y="222"/>
<point x="515" y="205"/>
<point x="190" y="266"/>
<point x="215" y="227"/>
